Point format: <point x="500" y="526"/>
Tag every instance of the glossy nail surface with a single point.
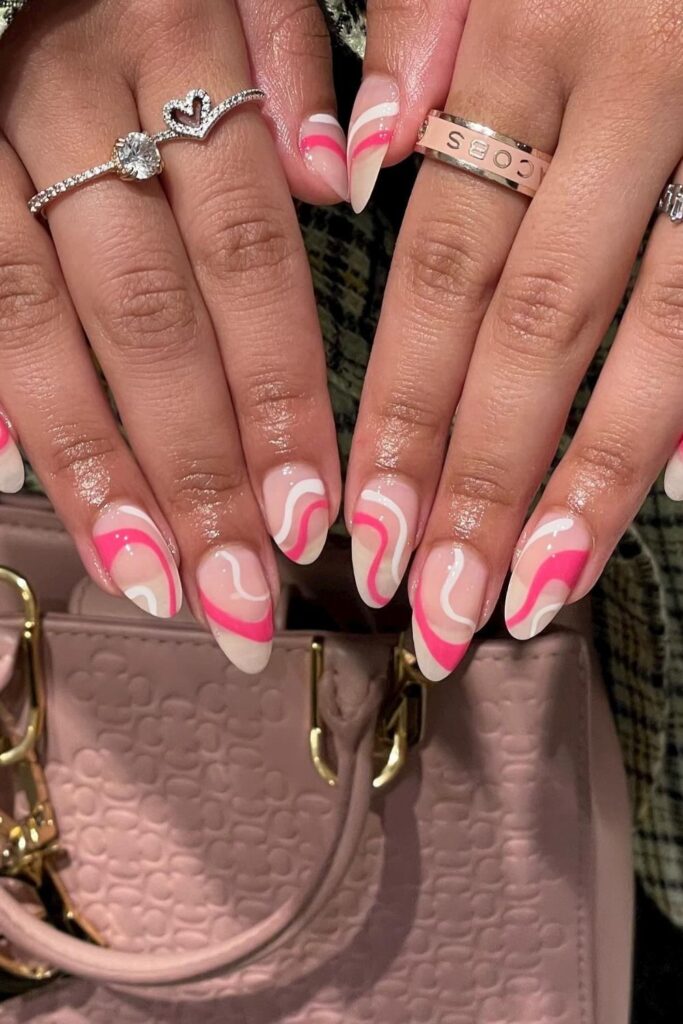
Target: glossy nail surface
<point x="673" y="478"/>
<point x="138" y="559"/>
<point x="238" y="606"/>
<point x="382" y="538"/>
<point x="447" y="605"/>
<point x="546" y="572"/>
<point x="322" y="144"/>
<point x="297" y="511"/>
<point x="11" y="462"/>
<point x="370" y="132"/>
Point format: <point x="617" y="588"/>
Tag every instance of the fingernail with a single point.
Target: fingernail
<point x="673" y="478"/>
<point x="370" y="132"/>
<point x="11" y="462"/>
<point x="322" y="144"/>
<point x="447" y="605"/>
<point x="545" y="574"/>
<point x="138" y="559"/>
<point x="382" y="537"/>
<point x="236" y="600"/>
<point x="297" y="511"/>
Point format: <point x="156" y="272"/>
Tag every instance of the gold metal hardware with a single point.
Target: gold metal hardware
<point x="29" y="845"/>
<point x="401" y="721"/>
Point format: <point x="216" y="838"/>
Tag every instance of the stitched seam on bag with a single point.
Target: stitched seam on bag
<point x="582" y="779"/>
<point x="13" y="524"/>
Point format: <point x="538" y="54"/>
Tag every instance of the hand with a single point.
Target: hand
<point x="496" y="306"/>
<point x="193" y="290"/>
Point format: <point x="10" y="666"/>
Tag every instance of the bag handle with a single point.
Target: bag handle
<point x="354" y="736"/>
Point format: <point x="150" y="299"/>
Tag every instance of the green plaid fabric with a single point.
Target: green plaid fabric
<point x="638" y="603"/>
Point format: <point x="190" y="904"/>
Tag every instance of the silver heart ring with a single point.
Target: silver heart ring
<point x="136" y="156"/>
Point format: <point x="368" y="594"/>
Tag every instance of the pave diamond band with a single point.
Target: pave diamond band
<point x="136" y="156"/>
<point x="671" y="203"/>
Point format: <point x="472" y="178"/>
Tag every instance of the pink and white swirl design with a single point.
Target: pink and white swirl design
<point x="322" y="144"/>
<point x="673" y="478"/>
<point x="138" y="559"/>
<point x="382" y="538"/>
<point x="447" y="605"/>
<point x="548" y="569"/>
<point x="370" y="133"/>
<point x="297" y="512"/>
<point x="11" y="462"/>
<point x="236" y="600"/>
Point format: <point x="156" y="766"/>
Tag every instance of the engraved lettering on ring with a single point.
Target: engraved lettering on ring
<point x="455" y="139"/>
<point x="479" y="149"/>
<point x="530" y="172"/>
<point x="502" y="159"/>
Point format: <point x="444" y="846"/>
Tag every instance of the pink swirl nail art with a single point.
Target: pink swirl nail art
<point x="138" y="559"/>
<point x="546" y="572"/>
<point x="370" y="133"/>
<point x="297" y="511"/>
<point x="382" y="538"/>
<point x="673" y="478"/>
<point x="447" y="606"/>
<point x="236" y="600"/>
<point x="11" y="462"/>
<point x="322" y="144"/>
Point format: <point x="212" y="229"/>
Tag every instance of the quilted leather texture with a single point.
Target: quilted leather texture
<point x="190" y="808"/>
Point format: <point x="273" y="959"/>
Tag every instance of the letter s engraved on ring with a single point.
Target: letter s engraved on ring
<point x="455" y="139"/>
<point x="479" y="149"/>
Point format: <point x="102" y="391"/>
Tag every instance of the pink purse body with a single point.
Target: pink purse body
<point x="224" y="840"/>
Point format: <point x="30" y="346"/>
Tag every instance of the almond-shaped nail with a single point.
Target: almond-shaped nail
<point x="673" y="478"/>
<point x="11" y="462"/>
<point x="238" y="606"/>
<point x="447" y="606"/>
<point x="322" y="144"/>
<point x="297" y="511"/>
<point x="383" y="537"/>
<point x="137" y="558"/>
<point x="370" y="132"/>
<point x="546" y="572"/>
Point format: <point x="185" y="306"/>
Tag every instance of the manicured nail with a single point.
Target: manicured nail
<point x="238" y="606"/>
<point x="370" y="132"/>
<point x="138" y="559"/>
<point x="322" y="144"/>
<point x="673" y="478"/>
<point x="383" y="537"/>
<point x="546" y="572"/>
<point x="11" y="462"/>
<point x="297" y="511"/>
<point x="447" y="605"/>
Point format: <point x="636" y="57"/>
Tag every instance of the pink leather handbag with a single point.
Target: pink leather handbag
<point x="333" y="841"/>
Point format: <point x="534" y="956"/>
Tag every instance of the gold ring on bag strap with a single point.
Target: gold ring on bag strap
<point x="28" y="846"/>
<point x="401" y="721"/>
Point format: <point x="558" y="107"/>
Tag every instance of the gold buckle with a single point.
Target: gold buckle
<point x="401" y="721"/>
<point x="28" y="846"/>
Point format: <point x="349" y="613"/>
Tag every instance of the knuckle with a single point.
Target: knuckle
<point x="441" y="267"/>
<point x="481" y="483"/>
<point x="405" y="413"/>
<point x="274" y="403"/>
<point x="29" y="299"/>
<point x="659" y="304"/>
<point x="243" y="240"/>
<point x="147" y="311"/>
<point x="538" y="314"/>
<point x="207" y="483"/>
<point x="298" y="30"/>
<point x="75" y="454"/>
<point x="605" y="462"/>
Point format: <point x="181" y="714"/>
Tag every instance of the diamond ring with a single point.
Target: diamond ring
<point x="136" y="156"/>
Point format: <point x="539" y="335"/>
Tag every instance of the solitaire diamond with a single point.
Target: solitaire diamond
<point x="137" y="156"/>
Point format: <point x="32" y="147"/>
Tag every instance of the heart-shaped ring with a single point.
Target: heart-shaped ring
<point x="198" y="122"/>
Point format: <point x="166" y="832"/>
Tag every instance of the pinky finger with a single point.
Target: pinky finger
<point x="11" y="463"/>
<point x="673" y="478"/>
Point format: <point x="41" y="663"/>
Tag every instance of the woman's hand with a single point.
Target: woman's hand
<point x="497" y="307"/>
<point x="193" y="290"/>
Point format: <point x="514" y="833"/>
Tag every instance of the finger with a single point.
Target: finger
<point x="51" y="390"/>
<point x="290" y="50"/>
<point x="454" y="241"/>
<point x="631" y="424"/>
<point x="233" y="207"/>
<point x="11" y="462"/>
<point x="135" y="293"/>
<point x="411" y="49"/>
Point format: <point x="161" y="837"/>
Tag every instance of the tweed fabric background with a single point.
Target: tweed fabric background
<point x="638" y="603"/>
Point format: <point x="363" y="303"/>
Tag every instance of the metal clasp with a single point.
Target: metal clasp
<point x="400" y="724"/>
<point x="28" y="845"/>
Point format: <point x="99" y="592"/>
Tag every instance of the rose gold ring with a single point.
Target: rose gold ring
<point x="480" y="150"/>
